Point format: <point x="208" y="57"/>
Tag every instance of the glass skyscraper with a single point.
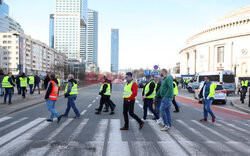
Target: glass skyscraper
<point x="92" y="48"/>
<point x="70" y="22"/>
<point x="114" y="50"/>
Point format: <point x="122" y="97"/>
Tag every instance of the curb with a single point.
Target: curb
<point x="240" y="108"/>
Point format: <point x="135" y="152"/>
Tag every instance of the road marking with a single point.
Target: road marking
<point x="115" y="132"/>
<point x="212" y="131"/>
<point x="140" y="105"/>
<point x="93" y="101"/>
<point x="142" y="148"/>
<point x="4" y="119"/>
<point x="235" y="127"/>
<point x="136" y="101"/>
<point x="101" y="130"/>
<point x="167" y="141"/>
<point x="42" y="150"/>
<point x="13" y="123"/>
<point x="242" y="123"/>
<point x="231" y="110"/>
<point x="19" y="131"/>
<point x="97" y="97"/>
<point x="89" y="105"/>
<point x="83" y="112"/>
<point x="22" y="141"/>
<point x="116" y="148"/>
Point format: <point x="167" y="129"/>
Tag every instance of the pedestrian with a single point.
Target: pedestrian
<point x="51" y="96"/>
<point x="13" y="80"/>
<point x="1" y="79"/>
<point x="23" y="84"/>
<point x="37" y="83"/>
<point x="105" y="92"/>
<point x="31" y="81"/>
<point x="46" y="81"/>
<point x="59" y="81"/>
<point x="176" y="92"/>
<point x="8" y="84"/>
<point x="18" y="83"/>
<point x="244" y="85"/>
<point x="129" y="96"/>
<point x="207" y="94"/>
<point x="166" y="91"/>
<point x="148" y="93"/>
<point x="158" y="99"/>
<point x="71" y="93"/>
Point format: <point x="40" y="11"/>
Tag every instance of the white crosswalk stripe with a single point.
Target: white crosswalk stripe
<point x="235" y="127"/>
<point x="242" y="123"/>
<point x="13" y="123"/>
<point x="4" y="119"/>
<point x="19" y="131"/>
<point x="101" y="130"/>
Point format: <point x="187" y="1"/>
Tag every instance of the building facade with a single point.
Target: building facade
<point x="51" y="30"/>
<point x="92" y="46"/>
<point x="114" y="50"/>
<point x="70" y="22"/>
<point x="222" y="46"/>
<point x="8" y="23"/>
<point x="22" y="53"/>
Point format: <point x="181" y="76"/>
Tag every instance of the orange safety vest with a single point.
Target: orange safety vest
<point x="55" y="91"/>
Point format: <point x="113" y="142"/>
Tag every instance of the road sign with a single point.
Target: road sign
<point x="156" y="73"/>
<point x="156" y="67"/>
<point x="149" y="72"/>
<point x="145" y="72"/>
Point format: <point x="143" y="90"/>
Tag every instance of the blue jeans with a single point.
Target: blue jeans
<point x="51" y="108"/>
<point x="2" y="89"/>
<point x="71" y="103"/>
<point x="165" y="111"/>
<point x="31" y="86"/>
<point x="158" y="105"/>
<point x="148" y="103"/>
<point x="207" y="108"/>
<point x="8" y="91"/>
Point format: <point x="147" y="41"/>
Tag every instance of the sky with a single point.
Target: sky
<point x="152" y="32"/>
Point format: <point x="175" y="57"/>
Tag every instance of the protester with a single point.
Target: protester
<point x="37" y="84"/>
<point x="176" y="92"/>
<point x="8" y="84"/>
<point x="31" y="81"/>
<point x="23" y="84"/>
<point x="1" y="79"/>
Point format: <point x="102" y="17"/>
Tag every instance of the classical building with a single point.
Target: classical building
<point x="20" y="52"/>
<point x="225" y="45"/>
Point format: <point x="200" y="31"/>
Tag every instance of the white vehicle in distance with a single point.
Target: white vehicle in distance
<point x="220" y="93"/>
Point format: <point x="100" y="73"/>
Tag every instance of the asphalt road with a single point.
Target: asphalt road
<point x="27" y="133"/>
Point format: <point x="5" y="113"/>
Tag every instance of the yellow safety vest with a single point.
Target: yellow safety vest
<point x="6" y="83"/>
<point x="147" y="90"/>
<point x="176" y="92"/>
<point x="31" y="80"/>
<point x="59" y="82"/>
<point x="73" y="91"/>
<point x="107" y="90"/>
<point x="212" y="90"/>
<point x="244" y="83"/>
<point x="23" y="81"/>
<point x="127" y="89"/>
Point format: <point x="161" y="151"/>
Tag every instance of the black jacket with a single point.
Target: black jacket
<point x="49" y="90"/>
<point x="104" y="88"/>
<point x="151" y="89"/>
<point x="37" y="79"/>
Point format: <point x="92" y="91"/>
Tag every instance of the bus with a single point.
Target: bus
<point x="224" y="77"/>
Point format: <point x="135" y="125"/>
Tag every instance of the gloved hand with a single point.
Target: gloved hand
<point x="66" y="95"/>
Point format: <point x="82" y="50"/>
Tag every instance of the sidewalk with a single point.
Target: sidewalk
<point x="235" y="101"/>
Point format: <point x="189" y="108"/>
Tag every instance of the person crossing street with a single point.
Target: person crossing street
<point x="244" y="85"/>
<point x="23" y="84"/>
<point x="176" y="92"/>
<point x="51" y="96"/>
<point x="31" y="81"/>
<point x="129" y="96"/>
<point x="8" y="84"/>
<point x="71" y="92"/>
<point x="148" y="94"/>
<point x="207" y="94"/>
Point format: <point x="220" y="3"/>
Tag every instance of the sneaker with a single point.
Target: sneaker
<point x="165" y="128"/>
<point x="49" y="120"/>
<point x="158" y="121"/>
<point x="203" y="120"/>
<point x="111" y="113"/>
<point x="213" y="119"/>
<point x="144" y="120"/>
<point x="59" y="119"/>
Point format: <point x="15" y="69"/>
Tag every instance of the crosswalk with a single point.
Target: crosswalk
<point x="38" y="137"/>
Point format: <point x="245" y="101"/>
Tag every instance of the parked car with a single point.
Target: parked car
<point x="220" y="94"/>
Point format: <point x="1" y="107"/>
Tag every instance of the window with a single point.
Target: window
<point x="9" y="42"/>
<point x="220" y="55"/>
<point x="4" y="36"/>
<point x="4" y="42"/>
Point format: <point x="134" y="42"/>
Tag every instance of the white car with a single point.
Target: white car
<point x="220" y="94"/>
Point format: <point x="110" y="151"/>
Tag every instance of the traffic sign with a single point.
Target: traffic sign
<point x="156" y="67"/>
<point x="145" y="72"/>
<point x="156" y="73"/>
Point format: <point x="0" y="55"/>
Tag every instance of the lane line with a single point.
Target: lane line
<point x="19" y="131"/>
<point x="89" y="105"/>
<point x="4" y="119"/>
<point x="173" y="148"/>
<point x="13" y="123"/>
<point x="83" y="112"/>
<point x="22" y="141"/>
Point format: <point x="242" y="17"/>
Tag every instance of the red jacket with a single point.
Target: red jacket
<point x="134" y="90"/>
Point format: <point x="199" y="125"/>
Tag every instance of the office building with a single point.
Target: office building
<point x="92" y="46"/>
<point x="70" y="22"/>
<point x="114" y="50"/>
<point x="51" y="30"/>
